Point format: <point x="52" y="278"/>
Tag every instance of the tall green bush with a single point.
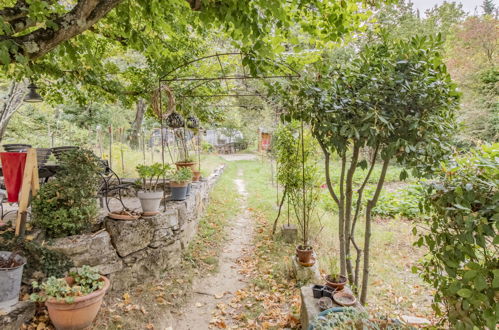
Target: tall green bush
<point x="394" y="98"/>
<point x="463" y="242"/>
<point x="67" y="204"/>
<point x="298" y="173"/>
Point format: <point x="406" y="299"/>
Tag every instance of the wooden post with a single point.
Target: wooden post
<point x="111" y="146"/>
<point x="30" y="184"/>
<point x="143" y="136"/>
<point x="122" y="138"/>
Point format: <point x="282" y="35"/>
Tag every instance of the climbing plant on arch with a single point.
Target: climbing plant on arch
<point x="395" y="98"/>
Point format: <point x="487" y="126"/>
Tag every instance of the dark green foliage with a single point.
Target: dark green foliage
<point x="463" y="241"/>
<point x="39" y="258"/>
<point x="67" y="204"/>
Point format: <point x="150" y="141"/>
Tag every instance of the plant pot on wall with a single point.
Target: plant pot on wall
<point x="304" y="253"/>
<point x="188" y="164"/>
<point x="11" y="272"/>
<point x="196" y="175"/>
<point x="78" y="314"/>
<point x="150" y="200"/>
<point x="336" y="281"/>
<point x="178" y="190"/>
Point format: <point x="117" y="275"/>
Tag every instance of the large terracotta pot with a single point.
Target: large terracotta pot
<point x="191" y="165"/>
<point x="79" y="314"/>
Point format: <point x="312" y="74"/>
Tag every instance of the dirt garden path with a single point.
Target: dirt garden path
<point x="236" y="157"/>
<point x="221" y="287"/>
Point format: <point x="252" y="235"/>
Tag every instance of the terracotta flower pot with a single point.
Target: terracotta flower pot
<point x="191" y="165"/>
<point x="304" y="254"/>
<point x="336" y="282"/>
<point x="195" y="176"/>
<point x="79" y="314"/>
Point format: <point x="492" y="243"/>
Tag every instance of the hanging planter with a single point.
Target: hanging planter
<point x="175" y="120"/>
<point x="192" y="122"/>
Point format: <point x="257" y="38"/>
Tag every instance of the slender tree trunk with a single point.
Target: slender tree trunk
<point x="13" y="102"/>
<point x="141" y="107"/>
<point x="348" y="211"/>
<point x="341" y="218"/>
<point x="274" y="227"/>
<point x="367" y="236"/>
<point x="360" y="192"/>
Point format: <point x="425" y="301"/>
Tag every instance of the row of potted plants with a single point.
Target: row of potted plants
<point x="150" y="195"/>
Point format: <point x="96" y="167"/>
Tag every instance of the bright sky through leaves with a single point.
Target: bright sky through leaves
<point x="468" y="5"/>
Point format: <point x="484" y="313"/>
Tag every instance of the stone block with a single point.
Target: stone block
<point x="89" y="249"/>
<point x="130" y="236"/>
<point x="289" y="233"/>
<point x="305" y="274"/>
<point x="152" y="262"/>
<point x="309" y="307"/>
<point x="14" y="317"/>
<point x="166" y="219"/>
<point x="162" y="237"/>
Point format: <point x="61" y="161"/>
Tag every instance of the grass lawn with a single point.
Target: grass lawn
<point x="393" y="289"/>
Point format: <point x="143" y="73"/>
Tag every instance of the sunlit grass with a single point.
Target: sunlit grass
<point x="393" y="288"/>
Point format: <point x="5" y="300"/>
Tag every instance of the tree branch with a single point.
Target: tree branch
<point x="327" y="161"/>
<point x="19" y="10"/>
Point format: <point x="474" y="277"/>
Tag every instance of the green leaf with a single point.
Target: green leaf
<point x="465" y="293"/>
<point x="480" y="283"/>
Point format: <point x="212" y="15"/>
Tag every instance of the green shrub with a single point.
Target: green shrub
<point x="462" y="239"/>
<point x="404" y="203"/>
<point x="67" y="204"/>
<point x="38" y="257"/>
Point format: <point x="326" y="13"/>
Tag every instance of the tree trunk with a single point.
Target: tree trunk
<point x="367" y="236"/>
<point x="13" y="101"/>
<point x="274" y="227"/>
<point x="348" y="211"/>
<point x="341" y="218"/>
<point x="137" y="123"/>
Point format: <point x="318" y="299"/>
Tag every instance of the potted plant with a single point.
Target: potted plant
<point x="74" y="301"/>
<point x="149" y="196"/>
<point x="335" y="280"/>
<point x="184" y="160"/>
<point x="179" y="183"/>
<point x="11" y="272"/>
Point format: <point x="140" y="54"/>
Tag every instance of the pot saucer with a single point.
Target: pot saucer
<point x="149" y="214"/>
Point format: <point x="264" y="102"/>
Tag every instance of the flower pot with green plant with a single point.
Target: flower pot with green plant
<point x="298" y="172"/>
<point x="74" y="301"/>
<point x="179" y="183"/>
<point x="150" y="196"/>
<point x="334" y="279"/>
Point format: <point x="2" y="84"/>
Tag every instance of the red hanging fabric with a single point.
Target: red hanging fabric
<point x="13" y="169"/>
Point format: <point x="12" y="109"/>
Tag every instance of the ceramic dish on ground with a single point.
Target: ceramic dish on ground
<point x="344" y="298"/>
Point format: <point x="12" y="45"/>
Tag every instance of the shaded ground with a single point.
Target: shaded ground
<point x="214" y="291"/>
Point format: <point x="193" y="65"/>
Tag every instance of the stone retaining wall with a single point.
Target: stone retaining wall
<point x="130" y="251"/>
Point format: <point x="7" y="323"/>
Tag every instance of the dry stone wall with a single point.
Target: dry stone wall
<point x="131" y="251"/>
